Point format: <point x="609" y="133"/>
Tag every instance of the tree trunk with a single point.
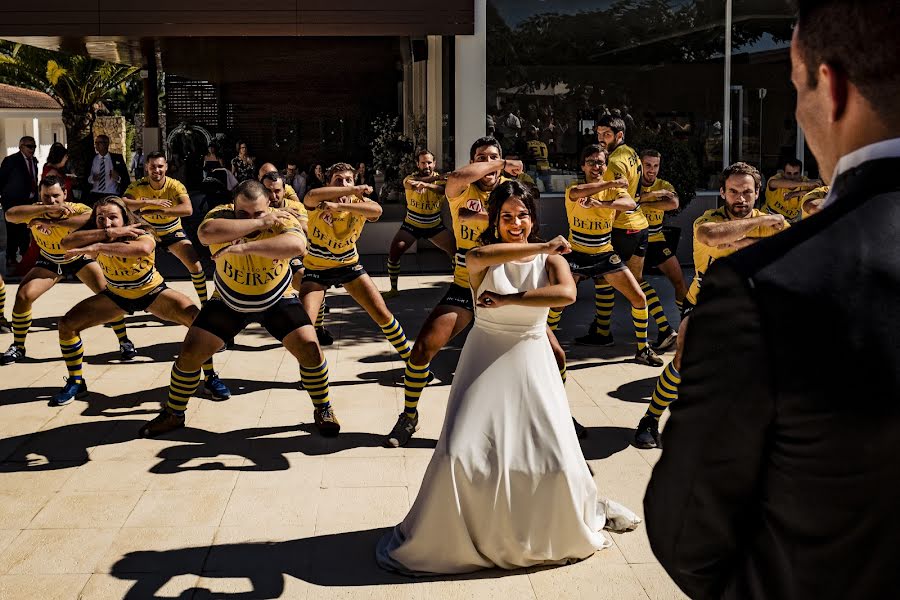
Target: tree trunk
<point x="79" y="124"/>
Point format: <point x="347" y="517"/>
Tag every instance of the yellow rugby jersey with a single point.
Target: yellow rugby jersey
<point x="590" y="229"/>
<point x="423" y="210"/>
<point x="296" y="207"/>
<point x="776" y="204"/>
<point x="332" y="239"/>
<point x="130" y="276"/>
<point x="654" y="217"/>
<point x="290" y="193"/>
<point x="816" y="194"/>
<point x="49" y="243"/>
<point x="705" y="255"/>
<point x="250" y="283"/>
<point x="467" y="234"/>
<point x="625" y="162"/>
<point x="171" y="190"/>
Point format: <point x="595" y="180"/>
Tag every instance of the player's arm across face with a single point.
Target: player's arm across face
<point x="728" y="232"/>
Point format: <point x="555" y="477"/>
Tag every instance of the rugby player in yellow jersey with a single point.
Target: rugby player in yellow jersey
<point x="717" y="233"/>
<point x="812" y="201"/>
<point x="657" y="197"/>
<point x="591" y="208"/>
<point x="125" y="248"/>
<point x="424" y="197"/>
<point x="289" y="199"/>
<point x="50" y="220"/>
<point x="785" y="190"/>
<point x="338" y="213"/>
<point x="162" y="201"/>
<point x="629" y="235"/>
<point x="252" y="245"/>
<point x="468" y="189"/>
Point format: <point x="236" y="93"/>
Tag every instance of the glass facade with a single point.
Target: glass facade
<point x="556" y="66"/>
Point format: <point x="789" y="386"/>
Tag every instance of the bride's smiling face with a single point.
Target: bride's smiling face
<point x="514" y="224"/>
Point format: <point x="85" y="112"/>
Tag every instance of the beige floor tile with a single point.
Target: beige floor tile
<point x="18" y="508"/>
<point x="157" y="550"/>
<point x="287" y="588"/>
<point x="174" y="508"/>
<point x="56" y="551"/>
<point x="350" y="509"/>
<point x="273" y="506"/>
<point x="86" y="510"/>
<point x="109" y="587"/>
<point x="197" y="474"/>
<point x="37" y="481"/>
<point x="357" y="472"/>
<point x="293" y="471"/>
<point x="588" y="580"/>
<point x="110" y="475"/>
<point x="485" y="584"/>
<point x="657" y="583"/>
<point x="7" y="536"/>
<point x="42" y="586"/>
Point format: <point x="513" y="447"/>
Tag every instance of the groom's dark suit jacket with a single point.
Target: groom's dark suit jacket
<point x="780" y="474"/>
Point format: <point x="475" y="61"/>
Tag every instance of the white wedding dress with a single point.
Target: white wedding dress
<point x="508" y="485"/>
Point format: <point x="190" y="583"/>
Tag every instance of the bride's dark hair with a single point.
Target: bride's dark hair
<point x="498" y="197"/>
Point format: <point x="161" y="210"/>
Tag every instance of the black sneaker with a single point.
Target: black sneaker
<point x="595" y="338"/>
<point x="326" y="422"/>
<point x="666" y="340"/>
<point x="126" y="349"/>
<point x="648" y="357"/>
<point x="13" y="354"/>
<point x="164" y="422"/>
<point x="580" y="430"/>
<point x="647" y="434"/>
<point x="325" y="338"/>
<point x="402" y="431"/>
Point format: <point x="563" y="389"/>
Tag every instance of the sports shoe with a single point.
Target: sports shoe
<point x="326" y="422"/>
<point x="126" y="349"/>
<point x="666" y="339"/>
<point x="595" y="338"/>
<point x="580" y="430"/>
<point x="12" y="354"/>
<point x="647" y="434"/>
<point x="325" y="338"/>
<point x="648" y="357"/>
<point x="216" y="388"/>
<point x="74" y="388"/>
<point x="5" y="326"/>
<point x="164" y="422"/>
<point x="390" y="294"/>
<point x="402" y="431"/>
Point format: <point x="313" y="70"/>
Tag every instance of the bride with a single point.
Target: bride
<point x="508" y="485"/>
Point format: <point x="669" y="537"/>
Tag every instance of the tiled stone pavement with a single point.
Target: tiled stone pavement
<point x="247" y="501"/>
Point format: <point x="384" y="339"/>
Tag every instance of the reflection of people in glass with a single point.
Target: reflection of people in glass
<point x="538" y="157"/>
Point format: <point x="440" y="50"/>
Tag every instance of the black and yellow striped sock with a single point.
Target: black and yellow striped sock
<point x="320" y="318"/>
<point x="414" y="381"/>
<point x="182" y="385"/>
<point x="655" y="307"/>
<point x="666" y="391"/>
<point x="208" y="369"/>
<point x="118" y="327"/>
<point x="604" y="300"/>
<point x="315" y="382"/>
<point x="394" y="333"/>
<point x="553" y="318"/>
<point x="640" y="318"/>
<point x="393" y="273"/>
<point x="2" y="299"/>
<point x="679" y="304"/>
<point x="21" y="323"/>
<point x="563" y="373"/>
<point x="73" y="354"/>
<point x="199" y="281"/>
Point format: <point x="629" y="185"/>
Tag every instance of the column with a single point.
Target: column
<point x="471" y="85"/>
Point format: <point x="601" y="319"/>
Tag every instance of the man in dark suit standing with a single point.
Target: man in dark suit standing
<point x="109" y="174"/>
<point x="780" y="475"/>
<point x="18" y="186"/>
